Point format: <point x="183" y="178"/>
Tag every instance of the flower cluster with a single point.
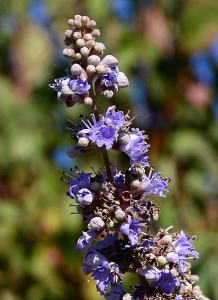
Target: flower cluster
<point x="118" y="206"/>
<point x="87" y="67"/>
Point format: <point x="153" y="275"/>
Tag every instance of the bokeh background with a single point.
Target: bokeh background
<point x="169" y="51"/>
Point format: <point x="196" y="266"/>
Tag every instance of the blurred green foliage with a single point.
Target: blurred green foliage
<point x="38" y="260"/>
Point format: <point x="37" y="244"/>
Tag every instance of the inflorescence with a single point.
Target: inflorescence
<point x="117" y="206"/>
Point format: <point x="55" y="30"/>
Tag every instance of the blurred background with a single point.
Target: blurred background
<point x="169" y="51"/>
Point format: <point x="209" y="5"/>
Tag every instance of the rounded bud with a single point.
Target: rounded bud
<point x="99" y="47"/>
<point x="77" y="35"/>
<point x="83" y="142"/>
<point x="84" y="51"/>
<point x="110" y="225"/>
<point x="122" y="80"/>
<point x="128" y="297"/>
<point x="90" y="70"/>
<point x="95" y="186"/>
<point x="77" y="24"/>
<point x="120" y="215"/>
<point x="134" y="184"/>
<point x="88" y="101"/>
<point x="123" y="138"/>
<point x="96" y="224"/>
<point x="84" y="197"/>
<point x="90" y="43"/>
<point x="78" y="56"/>
<point x="80" y="43"/>
<point x="69" y="33"/>
<point x="161" y="260"/>
<point x="87" y="37"/>
<point x="71" y="22"/>
<point x="167" y="239"/>
<point x="84" y="20"/>
<point x="93" y="60"/>
<point x="90" y="24"/>
<point x="101" y="70"/>
<point x="76" y="69"/>
<point x="95" y="32"/>
<point x="68" y="52"/>
<point x="108" y="94"/>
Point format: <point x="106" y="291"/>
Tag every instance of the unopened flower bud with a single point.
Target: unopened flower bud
<point x="78" y="24"/>
<point x="78" y="56"/>
<point x="83" y="142"/>
<point x="93" y="60"/>
<point x="69" y="34"/>
<point x="76" y="69"/>
<point x="87" y="37"/>
<point x="127" y="297"/>
<point x="84" y="197"/>
<point x="99" y="47"/>
<point x="95" y="32"/>
<point x="96" y="224"/>
<point x="161" y="260"/>
<point x="101" y="70"/>
<point x="110" y="225"/>
<point x="77" y="35"/>
<point x="84" y="51"/>
<point x="73" y="151"/>
<point x="108" y="94"/>
<point x="80" y="43"/>
<point x="90" y="70"/>
<point x="122" y="80"/>
<point x="134" y="185"/>
<point x="84" y="20"/>
<point x="110" y="61"/>
<point x="68" y="52"/>
<point x="90" y="43"/>
<point x="88" y="101"/>
<point x="120" y="215"/>
<point x="91" y="24"/>
<point x="95" y="186"/>
<point x="167" y="239"/>
<point x="71" y="22"/>
<point x="123" y="138"/>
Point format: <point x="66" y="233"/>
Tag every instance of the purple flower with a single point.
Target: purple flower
<point x="102" y="276"/>
<point x="115" y="292"/>
<point x="131" y="229"/>
<point x="166" y="282"/>
<point x="85" y="240"/>
<point x="80" y="85"/>
<point x="104" y="136"/>
<point x="82" y="181"/>
<point x="84" y="197"/>
<point x="153" y="185"/>
<point x="150" y="273"/>
<point x="105" y="131"/>
<point x="183" y="251"/>
<point x="135" y="147"/>
<point x="59" y="83"/>
<point x="108" y="240"/>
<point x="115" y="118"/>
<point x="94" y="258"/>
<point x="113" y="77"/>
